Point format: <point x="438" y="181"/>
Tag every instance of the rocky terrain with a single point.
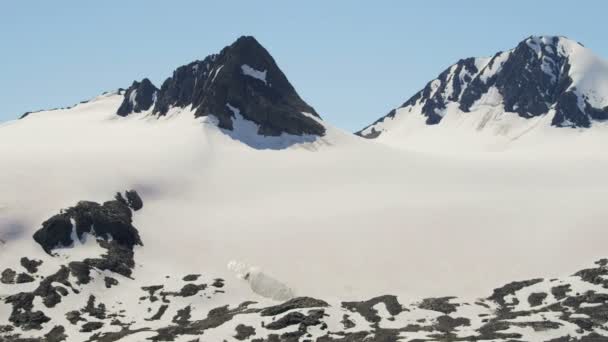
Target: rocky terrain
<point x="69" y="303"/>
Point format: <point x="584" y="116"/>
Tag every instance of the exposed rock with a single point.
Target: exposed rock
<point x="243" y="75"/>
<point x="243" y="332"/>
<point x="24" y="278"/>
<point x="537" y="298"/>
<point x="91" y="326"/>
<point x="111" y="220"/>
<point x="30" y="265"/>
<point x="509" y="289"/>
<point x="22" y="314"/>
<point x="366" y="308"/>
<point x="135" y="202"/>
<point x="55" y="232"/>
<point x="191" y="277"/>
<point x="219" y="283"/>
<point x="109" y="282"/>
<point x="57" y="334"/>
<point x="182" y="317"/>
<point x="442" y="304"/>
<point x="296" y="317"/>
<point x="74" y="317"/>
<point x="446" y="323"/>
<point x="191" y="289"/>
<point x="8" y="276"/>
<point x="295" y="303"/>
<point x="139" y="97"/>
<point x="95" y="311"/>
<point x="159" y="314"/>
<point x="560" y="291"/>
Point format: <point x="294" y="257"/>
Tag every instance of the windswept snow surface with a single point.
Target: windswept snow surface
<point x="337" y="217"/>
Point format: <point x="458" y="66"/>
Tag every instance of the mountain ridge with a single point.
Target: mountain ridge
<point x="540" y="75"/>
<point x="242" y="75"/>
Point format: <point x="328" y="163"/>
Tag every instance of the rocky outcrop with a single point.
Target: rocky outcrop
<point x="111" y="220"/>
<point x="139" y="97"/>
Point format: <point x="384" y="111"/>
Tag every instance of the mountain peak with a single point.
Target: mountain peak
<point x="542" y="75"/>
<point x="243" y="81"/>
<point x="247" y="42"/>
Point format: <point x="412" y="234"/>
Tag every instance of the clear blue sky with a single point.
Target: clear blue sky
<point x="351" y="60"/>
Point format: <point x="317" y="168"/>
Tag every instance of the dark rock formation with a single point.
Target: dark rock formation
<point x="243" y="332"/>
<point x="191" y="277"/>
<point x="243" y="77"/>
<point x="509" y="289"/>
<point x="57" y="334"/>
<point x="109" y="282"/>
<point x="134" y="200"/>
<point x="366" y="308"/>
<point x="537" y="298"/>
<point x="296" y="317"/>
<point x="442" y="305"/>
<point x="139" y="97"/>
<point x="56" y="232"/>
<point x="295" y="303"/>
<point x="30" y="265"/>
<point x="8" y="276"/>
<point x="24" y="278"/>
<point x="111" y="220"/>
<point x="159" y="314"/>
<point x="91" y="326"/>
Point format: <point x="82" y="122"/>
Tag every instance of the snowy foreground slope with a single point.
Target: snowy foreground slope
<point x="522" y="94"/>
<point x="292" y="237"/>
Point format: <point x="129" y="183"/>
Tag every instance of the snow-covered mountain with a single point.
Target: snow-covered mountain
<point x="241" y="90"/>
<point x="543" y="81"/>
<point x="220" y="207"/>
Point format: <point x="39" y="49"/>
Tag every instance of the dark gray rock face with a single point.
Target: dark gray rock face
<point x="139" y="97"/>
<point x="8" y="276"/>
<point x="243" y="332"/>
<point x="532" y="78"/>
<point x="112" y="219"/>
<point x="295" y="303"/>
<point x="56" y="232"/>
<point x="243" y="77"/>
<point x="30" y="265"/>
<point x="526" y="87"/>
<point x="366" y="308"/>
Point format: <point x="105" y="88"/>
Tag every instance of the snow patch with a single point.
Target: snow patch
<point x="132" y="97"/>
<point x="249" y="71"/>
<point x="217" y="71"/>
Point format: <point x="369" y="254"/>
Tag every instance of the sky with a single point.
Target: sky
<point x="351" y="60"/>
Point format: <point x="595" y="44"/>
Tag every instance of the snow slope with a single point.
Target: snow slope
<point x="369" y="209"/>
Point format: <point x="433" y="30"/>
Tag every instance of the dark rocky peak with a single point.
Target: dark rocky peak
<point x="139" y="97"/>
<point x="242" y="80"/>
<point x="529" y="77"/>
